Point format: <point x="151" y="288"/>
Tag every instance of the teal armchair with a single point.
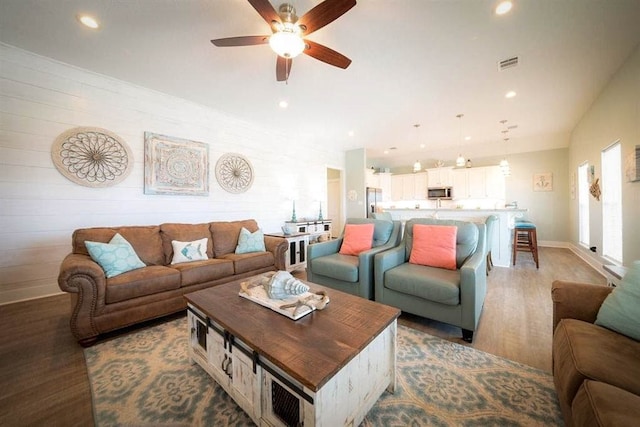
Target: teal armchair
<point x="455" y="297"/>
<point x="350" y="273"/>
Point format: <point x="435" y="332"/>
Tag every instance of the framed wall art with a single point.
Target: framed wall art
<point x="543" y="181"/>
<point x="234" y="173"/>
<point x="93" y="157"/>
<point x="175" y="166"/>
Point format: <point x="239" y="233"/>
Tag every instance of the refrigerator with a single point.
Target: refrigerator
<point x="374" y="198"/>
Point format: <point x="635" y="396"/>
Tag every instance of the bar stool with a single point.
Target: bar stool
<point x="525" y="239"/>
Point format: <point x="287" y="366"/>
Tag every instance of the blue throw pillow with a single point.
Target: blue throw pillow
<point x="620" y="311"/>
<point x="250" y="242"/>
<point x="115" y="257"/>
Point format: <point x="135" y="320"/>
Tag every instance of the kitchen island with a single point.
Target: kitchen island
<point x="501" y="247"/>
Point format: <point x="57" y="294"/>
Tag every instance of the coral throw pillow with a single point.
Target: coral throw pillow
<point x="434" y="246"/>
<point x="357" y="238"/>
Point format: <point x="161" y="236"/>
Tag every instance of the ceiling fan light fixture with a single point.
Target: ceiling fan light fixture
<point x="287" y="43"/>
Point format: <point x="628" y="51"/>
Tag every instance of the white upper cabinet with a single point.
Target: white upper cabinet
<point x="411" y="186"/>
<point x="478" y="183"/>
<point x="371" y="178"/>
<point x="440" y="177"/>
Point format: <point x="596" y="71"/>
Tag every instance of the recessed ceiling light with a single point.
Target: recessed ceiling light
<point x="386" y="151"/>
<point x="467" y="138"/>
<point x="510" y="94"/>
<point x="503" y="7"/>
<point x="351" y="133"/>
<point x="88" y="21"/>
<point x="283" y="104"/>
<point x="421" y="145"/>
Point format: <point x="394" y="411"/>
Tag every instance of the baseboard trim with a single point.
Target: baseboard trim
<point x="594" y="263"/>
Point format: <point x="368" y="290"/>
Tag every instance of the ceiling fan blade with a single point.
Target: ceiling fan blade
<point x="324" y="54"/>
<point x="324" y="13"/>
<point x="241" y="41"/>
<point x="283" y="68"/>
<point x="266" y="10"/>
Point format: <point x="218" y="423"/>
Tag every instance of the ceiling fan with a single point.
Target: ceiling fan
<point x="289" y="31"/>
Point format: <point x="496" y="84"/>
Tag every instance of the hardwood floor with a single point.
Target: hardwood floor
<point x="44" y="376"/>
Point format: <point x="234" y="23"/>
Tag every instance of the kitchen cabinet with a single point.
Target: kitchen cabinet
<point x="384" y="182"/>
<point x="371" y="178"/>
<point x="409" y="186"/>
<point x="478" y="183"/>
<point x="440" y="177"/>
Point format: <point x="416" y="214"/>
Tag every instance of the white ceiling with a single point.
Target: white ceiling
<point x="414" y="61"/>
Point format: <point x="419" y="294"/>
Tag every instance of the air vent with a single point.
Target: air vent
<point x="507" y="63"/>
<point x="512" y="127"/>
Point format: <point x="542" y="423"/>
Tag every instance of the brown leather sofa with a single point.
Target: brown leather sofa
<point x="101" y="304"/>
<point x="596" y="371"/>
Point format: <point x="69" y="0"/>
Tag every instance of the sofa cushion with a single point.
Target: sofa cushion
<point x="184" y="233"/>
<point x="145" y="240"/>
<point x="115" y="257"/>
<point x="250" y="242"/>
<point x="582" y="351"/>
<point x="337" y="266"/>
<point x="141" y="282"/>
<point x="357" y="238"/>
<point x="434" y="246"/>
<point x="430" y="283"/>
<point x="196" y="272"/>
<point x="189" y="251"/>
<point x="600" y="404"/>
<point x="252" y="261"/>
<point x="225" y="235"/>
<point x="620" y="311"/>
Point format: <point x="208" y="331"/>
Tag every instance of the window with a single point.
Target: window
<point x="612" y="202"/>
<point x="583" y="204"/>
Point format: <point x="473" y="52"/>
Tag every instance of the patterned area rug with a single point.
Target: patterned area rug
<point x="145" y="379"/>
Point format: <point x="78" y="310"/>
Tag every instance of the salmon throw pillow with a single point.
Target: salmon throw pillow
<point x="357" y="238"/>
<point x="434" y="246"/>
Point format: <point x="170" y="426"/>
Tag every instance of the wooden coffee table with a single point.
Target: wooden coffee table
<point x="325" y="369"/>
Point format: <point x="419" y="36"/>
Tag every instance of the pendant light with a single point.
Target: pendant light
<point x="504" y="163"/>
<point x="417" y="167"/>
<point x="460" y="161"/>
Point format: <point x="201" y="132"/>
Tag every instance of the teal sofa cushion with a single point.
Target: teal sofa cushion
<point x="429" y="283"/>
<point x="620" y="311"/>
<point x="337" y="266"/>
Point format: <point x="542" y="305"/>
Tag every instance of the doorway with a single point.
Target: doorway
<point x="334" y="201"/>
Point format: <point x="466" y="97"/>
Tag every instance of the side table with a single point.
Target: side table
<point x="296" y="256"/>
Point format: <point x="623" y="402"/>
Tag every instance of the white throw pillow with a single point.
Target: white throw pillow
<point x="189" y="251"/>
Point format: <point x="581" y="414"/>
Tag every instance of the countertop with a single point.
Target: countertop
<point x="457" y="210"/>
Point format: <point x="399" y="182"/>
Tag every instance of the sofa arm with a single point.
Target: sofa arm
<point x="80" y="275"/>
<point x="580" y="301"/>
<point x="384" y="261"/>
<point x="278" y="246"/>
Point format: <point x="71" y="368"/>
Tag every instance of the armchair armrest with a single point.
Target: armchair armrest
<point x="580" y="301"/>
<point x="323" y="249"/>
<point x="384" y="261"/>
<point x="278" y="246"/>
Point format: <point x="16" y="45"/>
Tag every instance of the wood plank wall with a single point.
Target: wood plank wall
<point x="39" y="208"/>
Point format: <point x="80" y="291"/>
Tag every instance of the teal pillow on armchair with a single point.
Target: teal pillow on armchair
<point x="620" y="311"/>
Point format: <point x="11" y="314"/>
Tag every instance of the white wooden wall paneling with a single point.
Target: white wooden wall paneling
<point x="39" y="208"/>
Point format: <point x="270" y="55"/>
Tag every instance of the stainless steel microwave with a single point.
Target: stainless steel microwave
<point x="442" y="193"/>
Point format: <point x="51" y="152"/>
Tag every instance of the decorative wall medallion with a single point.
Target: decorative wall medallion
<point x="92" y="157"/>
<point x="234" y="173"/>
<point x="175" y="166"/>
